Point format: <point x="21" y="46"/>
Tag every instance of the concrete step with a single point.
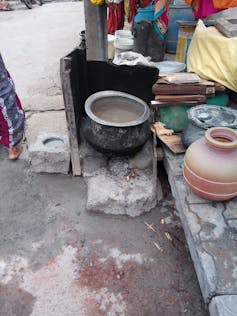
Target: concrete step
<point x="211" y="233"/>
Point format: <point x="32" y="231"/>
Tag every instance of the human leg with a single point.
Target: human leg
<point x="12" y="118"/>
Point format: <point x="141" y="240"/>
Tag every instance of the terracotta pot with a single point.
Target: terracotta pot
<point x="210" y="165"/>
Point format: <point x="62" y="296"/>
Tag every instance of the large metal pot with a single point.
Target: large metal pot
<point x="117" y="122"/>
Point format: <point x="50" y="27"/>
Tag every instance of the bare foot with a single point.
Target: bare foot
<point x="15" y="152"/>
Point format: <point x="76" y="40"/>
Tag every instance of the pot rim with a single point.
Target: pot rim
<point x="223" y="132"/>
<point x="111" y="93"/>
<point x="194" y="119"/>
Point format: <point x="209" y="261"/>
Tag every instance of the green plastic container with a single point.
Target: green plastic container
<point x="176" y="118"/>
<point x="221" y="99"/>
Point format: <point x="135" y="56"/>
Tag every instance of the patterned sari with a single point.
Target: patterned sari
<point x="12" y="118"/>
<point x="161" y="17"/>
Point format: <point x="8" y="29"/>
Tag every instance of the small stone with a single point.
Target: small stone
<point x="233" y="224"/>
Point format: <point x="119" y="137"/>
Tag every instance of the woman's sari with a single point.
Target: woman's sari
<point x="202" y="8"/>
<point x="161" y="17"/>
<point x="12" y="118"/>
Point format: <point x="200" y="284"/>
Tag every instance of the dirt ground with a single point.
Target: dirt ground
<point x="56" y="259"/>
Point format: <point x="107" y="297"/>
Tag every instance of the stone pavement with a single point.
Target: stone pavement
<point x="211" y="233"/>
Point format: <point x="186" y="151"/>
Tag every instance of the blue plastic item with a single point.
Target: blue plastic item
<point x="144" y="14"/>
<point x="176" y="12"/>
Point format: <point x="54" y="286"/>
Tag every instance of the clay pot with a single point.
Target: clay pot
<point x="210" y="165"/>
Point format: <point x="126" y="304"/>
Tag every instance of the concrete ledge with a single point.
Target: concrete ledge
<point x="225" y="305"/>
<point x="210" y="229"/>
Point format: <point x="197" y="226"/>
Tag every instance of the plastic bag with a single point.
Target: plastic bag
<point x="131" y="59"/>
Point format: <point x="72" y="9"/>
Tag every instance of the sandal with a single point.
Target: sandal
<point x="15" y="152"/>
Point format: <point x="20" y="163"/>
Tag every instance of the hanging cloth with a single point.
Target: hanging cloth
<point x="224" y="4"/>
<point x="115" y="16"/>
<point x="161" y="17"/>
<point x="202" y="8"/>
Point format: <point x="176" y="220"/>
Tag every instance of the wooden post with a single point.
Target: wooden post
<point x="65" y="69"/>
<point x="96" y="31"/>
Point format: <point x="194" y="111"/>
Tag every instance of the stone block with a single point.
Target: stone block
<point x="210" y="230"/>
<point x="193" y="198"/>
<point x="50" y="153"/>
<point x="86" y="150"/>
<point x="232" y="223"/>
<point x="114" y="195"/>
<point x="173" y="162"/>
<point x="225" y="305"/>
<point x="144" y="158"/>
<point x="211" y="243"/>
<point x="231" y="209"/>
<point x="47" y="122"/>
<point x="92" y="165"/>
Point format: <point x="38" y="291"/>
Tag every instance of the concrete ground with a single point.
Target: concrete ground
<point x="56" y="259"/>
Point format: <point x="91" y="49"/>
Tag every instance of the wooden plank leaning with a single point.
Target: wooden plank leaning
<point x="65" y="69"/>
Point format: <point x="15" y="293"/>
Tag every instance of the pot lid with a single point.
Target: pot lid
<point x="206" y="116"/>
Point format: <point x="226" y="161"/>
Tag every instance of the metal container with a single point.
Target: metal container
<point x="117" y="122"/>
<point x="202" y="117"/>
<point x="176" y="12"/>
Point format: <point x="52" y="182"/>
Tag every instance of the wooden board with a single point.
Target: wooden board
<point x="65" y="69"/>
<point x="181" y="77"/>
<point x="154" y="104"/>
<point x="173" y="142"/>
<point x="167" y="136"/>
<point x="180" y="98"/>
<point x="176" y="89"/>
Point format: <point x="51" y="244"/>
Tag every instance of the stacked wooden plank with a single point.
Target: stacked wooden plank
<point x="183" y="89"/>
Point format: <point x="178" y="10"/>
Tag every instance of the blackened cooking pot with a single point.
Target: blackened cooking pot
<point x="117" y="122"/>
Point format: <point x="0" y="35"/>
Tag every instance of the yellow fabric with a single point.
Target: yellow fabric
<point x="213" y="56"/>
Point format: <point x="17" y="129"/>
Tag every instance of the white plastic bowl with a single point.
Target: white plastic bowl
<point x="123" y="34"/>
<point x="124" y="43"/>
<point x="170" y="66"/>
